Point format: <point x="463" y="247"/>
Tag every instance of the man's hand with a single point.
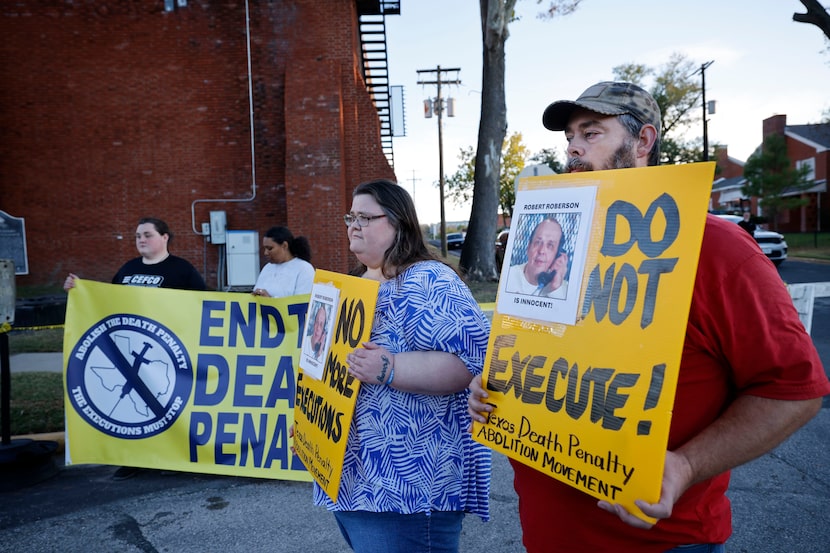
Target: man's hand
<point x="477" y="407"/>
<point x="677" y="477"/>
<point x="291" y="435"/>
<point x="750" y="427"/>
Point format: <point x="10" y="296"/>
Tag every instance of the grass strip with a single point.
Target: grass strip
<point x="36" y="404"/>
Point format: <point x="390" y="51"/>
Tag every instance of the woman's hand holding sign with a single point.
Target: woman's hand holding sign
<point x="372" y="364"/>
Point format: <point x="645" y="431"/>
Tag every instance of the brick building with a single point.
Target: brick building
<point x="117" y="109"/>
<point x="806" y="145"/>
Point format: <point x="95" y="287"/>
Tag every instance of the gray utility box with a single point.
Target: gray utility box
<point x="242" y="251"/>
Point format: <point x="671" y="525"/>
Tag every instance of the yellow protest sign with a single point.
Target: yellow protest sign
<point x="182" y="380"/>
<point x="582" y="365"/>
<point x="325" y="405"/>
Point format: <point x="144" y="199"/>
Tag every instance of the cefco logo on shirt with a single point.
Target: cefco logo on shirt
<point x="129" y="376"/>
<point x="152" y="281"/>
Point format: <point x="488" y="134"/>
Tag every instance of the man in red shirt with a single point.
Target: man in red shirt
<point x="741" y="390"/>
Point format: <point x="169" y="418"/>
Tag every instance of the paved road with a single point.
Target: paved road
<point x="781" y="502"/>
<point x="795" y="271"/>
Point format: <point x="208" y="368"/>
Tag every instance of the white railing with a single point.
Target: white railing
<point x="804" y="296"/>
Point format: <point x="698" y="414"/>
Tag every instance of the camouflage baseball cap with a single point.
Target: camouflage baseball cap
<point x="607" y="98"/>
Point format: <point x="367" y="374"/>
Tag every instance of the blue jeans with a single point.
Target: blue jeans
<point x="699" y="548"/>
<point x="368" y="532"/>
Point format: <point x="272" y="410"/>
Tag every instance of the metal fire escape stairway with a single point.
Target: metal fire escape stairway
<point x="372" y="30"/>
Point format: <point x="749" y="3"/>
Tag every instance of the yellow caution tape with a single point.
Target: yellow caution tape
<point x="45" y="327"/>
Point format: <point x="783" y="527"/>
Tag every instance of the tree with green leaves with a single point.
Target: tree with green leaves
<point x="514" y="155"/>
<point x="675" y="88"/>
<point x="772" y="178"/>
<point x="549" y="157"/>
<point x="459" y="186"/>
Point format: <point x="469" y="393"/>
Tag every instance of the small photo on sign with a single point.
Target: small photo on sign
<point x="319" y="328"/>
<point x="545" y="254"/>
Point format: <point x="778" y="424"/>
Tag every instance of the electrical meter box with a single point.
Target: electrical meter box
<point x="218" y="224"/>
<point x="242" y="257"/>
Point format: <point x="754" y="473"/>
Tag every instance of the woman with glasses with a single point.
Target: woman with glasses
<point x="411" y="469"/>
<point x="289" y="271"/>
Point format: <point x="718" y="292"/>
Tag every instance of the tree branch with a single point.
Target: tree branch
<point x="816" y="15"/>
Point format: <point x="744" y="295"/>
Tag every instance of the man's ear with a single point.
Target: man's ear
<point x="648" y="136"/>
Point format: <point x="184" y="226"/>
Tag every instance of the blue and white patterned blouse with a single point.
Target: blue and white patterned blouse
<point x="411" y="453"/>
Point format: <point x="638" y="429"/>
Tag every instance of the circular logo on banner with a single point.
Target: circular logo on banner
<point x="129" y="376"/>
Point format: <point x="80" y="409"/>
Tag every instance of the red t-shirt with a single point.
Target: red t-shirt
<point x="743" y="337"/>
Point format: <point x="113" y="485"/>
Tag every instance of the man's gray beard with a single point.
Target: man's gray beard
<point x="622" y="158"/>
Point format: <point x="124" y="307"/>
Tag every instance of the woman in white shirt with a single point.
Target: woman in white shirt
<point x="288" y="272"/>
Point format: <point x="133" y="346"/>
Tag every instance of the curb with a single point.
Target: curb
<point x="810" y="259"/>
<point x="59" y="437"/>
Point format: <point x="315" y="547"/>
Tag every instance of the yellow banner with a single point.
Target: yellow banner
<point x="325" y="405"/>
<point x="585" y="395"/>
<point x="180" y="380"/>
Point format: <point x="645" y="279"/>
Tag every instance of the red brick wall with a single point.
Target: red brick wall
<point x="727" y="167"/>
<point x="774" y="125"/>
<point x="111" y="110"/>
<point x="803" y="219"/>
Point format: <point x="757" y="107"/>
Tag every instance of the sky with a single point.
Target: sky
<point x="764" y="64"/>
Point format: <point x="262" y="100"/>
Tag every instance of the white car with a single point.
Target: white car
<point x="772" y="243"/>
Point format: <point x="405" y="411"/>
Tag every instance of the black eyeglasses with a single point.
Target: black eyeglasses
<point x="361" y="220"/>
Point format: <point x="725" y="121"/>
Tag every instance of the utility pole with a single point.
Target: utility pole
<point x="703" y="68"/>
<point x="413" y="180"/>
<point x="440" y="77"/>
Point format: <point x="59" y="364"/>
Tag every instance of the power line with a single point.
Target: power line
<point x="413" y="180"/>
